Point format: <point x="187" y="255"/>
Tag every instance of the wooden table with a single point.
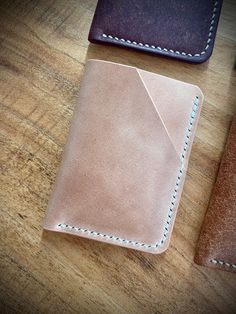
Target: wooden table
<point x="43" y="49"/>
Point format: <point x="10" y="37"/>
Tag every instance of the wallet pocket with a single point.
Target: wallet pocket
<point x="126" y="156"/>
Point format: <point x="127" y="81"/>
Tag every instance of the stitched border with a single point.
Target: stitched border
<point x="134" y="43"/>
<point x="216" y="261"/>
<point x="173" y="199"/>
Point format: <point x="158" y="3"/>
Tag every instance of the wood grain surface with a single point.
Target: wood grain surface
<point x="43" y="49"/>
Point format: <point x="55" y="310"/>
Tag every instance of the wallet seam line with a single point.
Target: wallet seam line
<point x="222" y="263"/>
<point x="134" y="43"/>
<point x="173" y="197"/>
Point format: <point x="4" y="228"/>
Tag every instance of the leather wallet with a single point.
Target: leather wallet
<point x="183" y="29"/>
<point x="126" y="157"/>
<point x="217" y="242"/>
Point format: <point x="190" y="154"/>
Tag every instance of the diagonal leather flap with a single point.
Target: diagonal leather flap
<point x="173" y="101"/>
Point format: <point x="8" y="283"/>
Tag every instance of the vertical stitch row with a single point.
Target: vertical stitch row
<point x="184" y="152"/>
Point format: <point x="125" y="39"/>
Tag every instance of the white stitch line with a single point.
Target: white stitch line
<point x="170" y="50"/>
<point x="173" y="200"/>
<point x="215" y="261"/>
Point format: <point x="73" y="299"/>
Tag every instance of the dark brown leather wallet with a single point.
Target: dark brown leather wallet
<point x="217" y="242"/>
<point x="183" y="29"/>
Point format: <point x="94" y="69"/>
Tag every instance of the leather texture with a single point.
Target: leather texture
<point x="217" y="242"/>
<point x="183" y="29"/>
<point x="126" y="157"/>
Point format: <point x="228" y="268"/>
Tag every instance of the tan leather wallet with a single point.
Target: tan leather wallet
<point x="126" y="157"/>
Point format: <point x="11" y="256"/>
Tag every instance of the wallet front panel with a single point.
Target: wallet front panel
<point x="125" y="160"/>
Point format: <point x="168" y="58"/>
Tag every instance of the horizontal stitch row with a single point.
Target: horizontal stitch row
<point x="215" y="261"/>
<point x="128" y="41"/>
<point x="173" y="199"/>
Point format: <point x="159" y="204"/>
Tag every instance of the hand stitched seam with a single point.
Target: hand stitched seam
<point x="173" y="200"/>
<point x="217" y="261"/>
<point x="134" y="43"/>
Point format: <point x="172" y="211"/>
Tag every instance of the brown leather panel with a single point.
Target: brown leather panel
<point x="125" y="160"/>
<point x="217" y="242"/>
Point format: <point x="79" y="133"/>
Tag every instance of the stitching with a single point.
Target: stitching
<point x="216" y="261"/>
<point x="173" y="199"/>
<point x="134" y="43"/>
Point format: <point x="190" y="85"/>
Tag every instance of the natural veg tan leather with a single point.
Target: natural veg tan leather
<point x="183" y="29"/>
<point x="217" y="242"/>
<point x="126" y="157"/>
